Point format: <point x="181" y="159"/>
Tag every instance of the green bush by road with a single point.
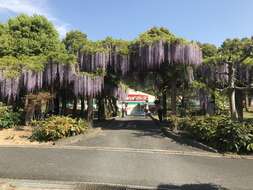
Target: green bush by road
<point x="8" y="118"/>
<point x="219" y="131"/>
<point x="57" y="127"/>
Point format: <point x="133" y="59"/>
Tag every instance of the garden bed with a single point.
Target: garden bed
<point x="219" y="132"/>
<point x="18" y="136"/>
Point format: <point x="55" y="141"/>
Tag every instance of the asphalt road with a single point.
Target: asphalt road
<point x="127" y="159"/>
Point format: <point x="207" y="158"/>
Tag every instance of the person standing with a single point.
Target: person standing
<point x="146" y="108"/>
<point x="124" y="109"/>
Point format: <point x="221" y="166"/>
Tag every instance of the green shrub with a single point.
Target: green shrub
<point x="235" y="136"/>
<point x="222" y="133"/>
<point x="203" y="128"/>
<point x="56" y="127"/>
<point x="8" y="118"/>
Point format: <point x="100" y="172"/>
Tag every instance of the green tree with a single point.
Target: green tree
<point x="74" y="41"/>
<point x="32" y="35"/>
<point x="208" y="50"/>
<point x="155" y="34"/>
<point x="233" y="53"/>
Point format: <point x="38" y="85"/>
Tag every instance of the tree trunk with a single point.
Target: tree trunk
<point x="56" y="104"/>
<point x="164" y="94"/>
<point x="248" y="78"/>
<point x="82" y="107"/>
<point x="239" y="104"/>
<point x="250" y="99"/>
<point x="211" y="105"/>
<point x="64" y="104"/>
<point x="101" y="109"/>
<point x="233" y="110"/>
<point x="115" y="107"/>
<point x="203" y="101"/>
<point x="29" y="110"/>
<point x="110" y="107"/>
<point x="173" y="99"/>
<point x="183" y="107"/>
<point x="75" y="106"/>
<point x="247" y="101"/>
<point x="89" y="116"/>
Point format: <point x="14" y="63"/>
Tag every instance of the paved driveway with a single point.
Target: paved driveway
<point x="134" y="132"/>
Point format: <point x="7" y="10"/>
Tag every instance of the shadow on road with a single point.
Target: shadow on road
<point x="191" y="187"/>
<point x="181" y="139"/>
<point x="43" y="186"/>
<point x="160" y="187"/>
<point x="151" y="127"/>
<point x="139" y="127"/>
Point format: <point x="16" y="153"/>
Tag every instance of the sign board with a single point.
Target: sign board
<point x="137" y="98"/>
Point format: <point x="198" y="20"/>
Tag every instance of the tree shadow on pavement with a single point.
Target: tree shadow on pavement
<point x="159" y="187"/>
<point x="143" y="127"/>
<point x="191" y="187"/>
<point x="181" y="138"/>
<point x="139" y="127"/>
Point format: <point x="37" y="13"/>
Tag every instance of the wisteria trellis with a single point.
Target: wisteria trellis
<point x="142" y="58"/>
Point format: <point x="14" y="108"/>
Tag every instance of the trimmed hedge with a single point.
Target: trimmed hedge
<point x="56" y="127"/>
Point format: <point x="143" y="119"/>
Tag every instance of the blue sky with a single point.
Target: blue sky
<point x="204" y="20"/>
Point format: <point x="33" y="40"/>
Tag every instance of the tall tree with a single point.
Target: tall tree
<point x="229" y="62"/>
<point x="32" y="35"/>
<point x="74" y="41"/>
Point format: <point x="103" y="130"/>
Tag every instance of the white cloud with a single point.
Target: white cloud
<point x="62" y="29"/>
<point x="31" y="7"/>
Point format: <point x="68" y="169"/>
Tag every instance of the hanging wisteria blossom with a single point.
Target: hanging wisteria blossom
<point x="142" y="58"/>
<point x="86" y="86"/>
<point x="117" y="91"/>
<point x="9" y="87"/>
<point x="150" y="57"/>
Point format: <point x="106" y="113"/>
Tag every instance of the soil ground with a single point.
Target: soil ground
<point x="18" y="135"/>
